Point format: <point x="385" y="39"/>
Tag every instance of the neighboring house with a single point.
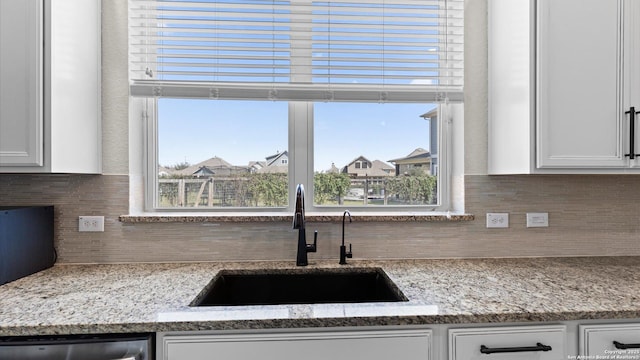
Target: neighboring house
<point x="365" y="176"/>
<point x="255" y="166"/>
<point x="276" y="164"/>
<point x="279" y="159"/>
<point x="362" y="166"/>
<point x="418" y="160"/>
<point x="212" y="167"/>
<point x="274" y="169"/>
<point x="218" y="167"/>
<point x="432" y="117"/>
<point x="204" y="171"/>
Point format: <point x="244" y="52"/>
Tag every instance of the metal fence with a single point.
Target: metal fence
<point x="208" y="192"/>
<point x="233" y="192"/>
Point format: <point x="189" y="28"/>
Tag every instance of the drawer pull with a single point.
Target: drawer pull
<point x="623" y="346"/>
<point x="538" y="347"/>
<point x="632" y="133"/>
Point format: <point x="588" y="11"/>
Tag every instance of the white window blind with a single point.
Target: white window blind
<point x="338" y="50"/>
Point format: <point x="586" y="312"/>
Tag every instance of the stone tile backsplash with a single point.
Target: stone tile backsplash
<point x="589" y="215"/>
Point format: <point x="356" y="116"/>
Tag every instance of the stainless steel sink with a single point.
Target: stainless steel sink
<point x="298" y="286"/>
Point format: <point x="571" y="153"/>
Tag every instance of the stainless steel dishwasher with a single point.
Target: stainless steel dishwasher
<point x="78" y="347"/>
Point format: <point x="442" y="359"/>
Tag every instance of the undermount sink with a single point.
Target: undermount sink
<point x="293" y="286"/>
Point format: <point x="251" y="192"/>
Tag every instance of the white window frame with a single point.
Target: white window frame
<point x="301" y="164"/>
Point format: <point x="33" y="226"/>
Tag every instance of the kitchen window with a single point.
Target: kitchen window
<point x="245" y="99"/>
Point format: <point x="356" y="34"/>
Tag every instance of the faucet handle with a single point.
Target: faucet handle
<point x="344" y="254"/>
<point x="349" y="253"/>
<point x="313" y="248"/>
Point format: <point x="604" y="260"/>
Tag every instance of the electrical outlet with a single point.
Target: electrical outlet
<point x="91" y="223"/>
<point x="537" y="220"/>
<point x="497" y="220"/>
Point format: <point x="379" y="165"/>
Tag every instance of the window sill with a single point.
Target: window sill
<point x="330" y="217"/>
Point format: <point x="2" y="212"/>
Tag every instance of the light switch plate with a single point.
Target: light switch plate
<point x="537" y="220"/>
<point x="497" y="220"/>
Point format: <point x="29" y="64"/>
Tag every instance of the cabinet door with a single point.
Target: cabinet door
<point x="580" y="111"/>
<point x="512" y="343"/>
<point x="597" y="341"/>
<point x="21" y="66"/>
<point x="348" y="345"/>
<point x="632" y="73"/>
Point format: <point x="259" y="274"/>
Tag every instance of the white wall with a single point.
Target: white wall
<point x="115" y="88"/>
<point x="476" y="87"/>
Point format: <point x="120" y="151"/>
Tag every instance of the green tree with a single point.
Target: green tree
<point x="241" y="189"/>
<point x="413" y="189"/>
<point x="268" y="189"/>
<point x="330" y="186"/>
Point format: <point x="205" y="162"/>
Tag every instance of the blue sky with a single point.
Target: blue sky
<point x="244" y="131"/>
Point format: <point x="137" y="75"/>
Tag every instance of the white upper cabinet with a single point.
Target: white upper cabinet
<point x="580" y="76"/>
<point x="50" y="86"/>
<point x="574" y="80"/>
<point x="21" y="88"/>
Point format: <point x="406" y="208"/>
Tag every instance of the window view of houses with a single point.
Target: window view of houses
<point x="217" y="183"/>
<point x="364" y="154"/>
<point x="407" y="180"/>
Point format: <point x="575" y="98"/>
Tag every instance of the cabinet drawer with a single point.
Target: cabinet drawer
<point x="370" y="345"/>
<point x="599" y="340"/>
<point x="513" y="343"/>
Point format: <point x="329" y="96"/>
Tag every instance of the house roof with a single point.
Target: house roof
<point x="204" y="171"/>
<point x="212" y="163"/>
<point x="377" y="164"/>
<point x="359" y="158"/>
<point x="274" y="169"/>
<point x="418" y="155"/>
<point x="378" y="168"/>
<point x="431" y="113"/>
<point x="257" y="164"/>
<point x="274" y="158"/>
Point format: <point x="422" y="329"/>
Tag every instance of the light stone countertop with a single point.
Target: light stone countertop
<point x="266" y="217"/>
<point x="69" y="299"/>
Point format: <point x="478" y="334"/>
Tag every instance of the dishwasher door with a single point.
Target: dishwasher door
<point x="87" y="347"/>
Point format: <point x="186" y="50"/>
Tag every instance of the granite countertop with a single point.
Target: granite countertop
<point x="155" y="297"/>
<point x="266" y="217"/>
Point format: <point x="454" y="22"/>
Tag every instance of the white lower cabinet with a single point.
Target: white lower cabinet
<point x="412" y="344"/>
<point x="610" y="341"/>
<point x="568" y="340"/>
<point x="539" y="342"/>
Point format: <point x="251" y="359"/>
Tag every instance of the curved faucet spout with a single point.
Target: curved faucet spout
<point x="346" y="212"/>
<point x="298" y="215"/>
<point x="298" y="223"/>
<point x="344" y="254"/>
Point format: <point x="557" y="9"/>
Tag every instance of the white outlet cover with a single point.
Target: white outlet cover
<point x="497" y="220"/>
<point x="91" y="223"/>
<point x="537" y="220"/>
